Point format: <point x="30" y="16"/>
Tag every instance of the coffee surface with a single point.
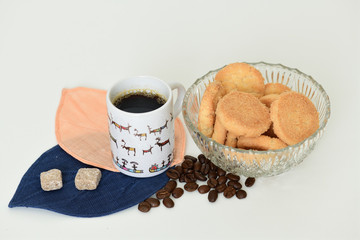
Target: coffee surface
<point x="139" y="102"/>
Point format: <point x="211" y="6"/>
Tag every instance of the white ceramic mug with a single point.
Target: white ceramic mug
<point x="142" y="144"/>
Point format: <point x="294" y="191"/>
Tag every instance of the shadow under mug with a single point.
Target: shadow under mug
<point x="142" y="144"/>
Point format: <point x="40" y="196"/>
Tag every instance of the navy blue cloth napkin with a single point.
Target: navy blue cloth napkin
<point x="114" y="193"/>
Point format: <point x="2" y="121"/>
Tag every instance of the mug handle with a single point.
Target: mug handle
<point x="180" y="96"/>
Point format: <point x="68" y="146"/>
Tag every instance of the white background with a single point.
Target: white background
<point x="49" y="45"/>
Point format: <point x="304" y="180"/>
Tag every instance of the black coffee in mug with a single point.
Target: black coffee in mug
<point x="139" y="102"/>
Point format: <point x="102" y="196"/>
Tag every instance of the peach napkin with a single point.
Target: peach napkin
<point x="81" y="128"/>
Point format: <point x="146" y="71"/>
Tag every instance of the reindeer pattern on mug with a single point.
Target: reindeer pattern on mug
<point x="142" y="146"/>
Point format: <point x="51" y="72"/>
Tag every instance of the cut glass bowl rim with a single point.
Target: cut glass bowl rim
<point x="190" y="125"/>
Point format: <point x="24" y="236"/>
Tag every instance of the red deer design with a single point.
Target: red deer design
<point x="161" y="144"/>
<point x="148" y="150"/>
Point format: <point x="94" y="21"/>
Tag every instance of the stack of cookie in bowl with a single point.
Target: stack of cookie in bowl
<point x="239" y="110"/>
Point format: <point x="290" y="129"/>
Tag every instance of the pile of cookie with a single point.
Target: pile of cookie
<point x="239" y="110"/>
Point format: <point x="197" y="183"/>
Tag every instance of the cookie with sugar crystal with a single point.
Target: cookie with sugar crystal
<point x="261" y="143"/>
<point x="206" y="119"/>
<point x="294" y="117"/>
<point x="275" y="88"/>
<point x="219" y="134"/>
<point x="242" y="77"/>
<point x="269" y="99"/>
<point x="243" y="114"/>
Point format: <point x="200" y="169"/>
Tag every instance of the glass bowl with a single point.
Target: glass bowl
<point x="252" y="163"/>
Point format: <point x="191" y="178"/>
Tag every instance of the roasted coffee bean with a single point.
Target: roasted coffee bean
<point x="168" y="202"/>
<point x="203" y="189"/>
<point x="199" y="176"/>
<point x="202" y="158"/>
<point x="162" y="193"/>
<point x="190" y="178"/>
<point x="229" y="192"/>
<point x="212" y="196"/>
<point x="194" y="159"/>
<point x="212" y="174"/>
<point x="197" y="166"/>
<point x="205" y="168"/>
<point x="241" y="194"/>
<point x="172" y="173"/>
<point x="213" y="167"/>
<point x="144" y="206"/>
<point x="235" y="184"/>
<point x="153" y="202"/>
<point x="182" y="178"/>
<point x="221" y="188"/>
<point x="170" y="186"/>
<point x="187" y="163"/>
<point x="212" y="182"/>
<point x="178" y="192"/>
<point x="190" y="187"/>
<point x="189" y="170"/>
<point x="221" y="172"/>
<point x="222" y="179"/>
<point x="179" y="169"/>
<point x="233" y="177"/>
<point x="249" y="181"/>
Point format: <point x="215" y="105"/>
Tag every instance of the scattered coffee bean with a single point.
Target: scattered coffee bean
<point x="162" y="193"/>
<point x="153" y="202"/>
<point x="192" y="170"/>
<point x="197" y="166"/>
<point x="212" y="196"/>
<point x="190" y="187"/>
<point x="170" y="186"/>
<point x="172" y="173"/>
<point x="222" y="180"/>
<point x="182" y="178"/>
<point x="179" y="169"/>
<point x="202" y="158"/>
<point x="168" y="202"/>
<point x="178" y="192"/>
<point x="234" y="177"/>
<point x="221" y="188"/>
<point x="205" y="168"/>
<point x="241" y="194"/>
<point x="212" y="174"/>
<point x="199" y="176"/>
<point x="221" y="172"/>
<point x="213" y="167"/>
<point x="194" y="159"/>
<point x="187" y="163"/>
<point x="229" y="192"/>
<point x="144" y="207"/>
<point x="249" y="181"/>
<point x="212" y="182"/>
<point x="190" y="178"/>
<point x="235" y="184"/>
<point x="203" y="189"/>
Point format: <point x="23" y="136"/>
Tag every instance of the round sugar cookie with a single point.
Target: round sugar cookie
<point x="275" y="88"/>
<point x="243" y="77"/>
<point x="269" y="99"/>
<point x="206" y="119"/>
<point x="261" y="143"/>
<point x="243" y="114"/>
<point x="294" y="117"/>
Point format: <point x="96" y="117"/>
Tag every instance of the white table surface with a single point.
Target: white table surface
<point x="49" y="45"/>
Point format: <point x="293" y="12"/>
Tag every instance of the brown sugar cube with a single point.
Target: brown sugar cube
<point x="87" y="178"/>
<point x="51" y="180"/>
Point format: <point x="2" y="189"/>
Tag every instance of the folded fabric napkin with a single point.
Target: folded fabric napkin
<point x="82" y="134"/>
<point x="114" y="193"/>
